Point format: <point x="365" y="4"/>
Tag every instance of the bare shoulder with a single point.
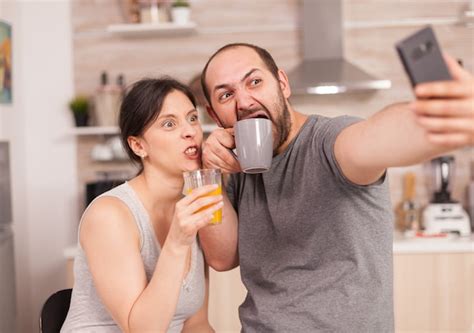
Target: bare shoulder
<point x="107" y="219"/>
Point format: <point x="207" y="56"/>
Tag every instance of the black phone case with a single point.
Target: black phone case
<point x="421" y="56"/>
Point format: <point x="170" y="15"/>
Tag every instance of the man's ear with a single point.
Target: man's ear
<point x="284" y="83"/>
<point x="213" y="115"/>
<point x="136" y="145"/>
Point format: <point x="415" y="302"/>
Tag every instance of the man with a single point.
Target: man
<point x="315" y="232"/>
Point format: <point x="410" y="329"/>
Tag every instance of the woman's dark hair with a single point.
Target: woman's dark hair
<point x="142" y="105"/>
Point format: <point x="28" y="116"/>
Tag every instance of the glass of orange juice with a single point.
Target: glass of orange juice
<point x="198" y="178"/>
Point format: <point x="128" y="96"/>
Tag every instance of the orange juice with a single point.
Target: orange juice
<point x="217" y="215"/>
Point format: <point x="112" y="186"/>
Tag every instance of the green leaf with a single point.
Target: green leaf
<point x="79" y="105"/>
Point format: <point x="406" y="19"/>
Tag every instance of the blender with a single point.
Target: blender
<point x="443" y="214"/>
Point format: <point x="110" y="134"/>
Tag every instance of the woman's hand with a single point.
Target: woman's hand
<point x="192" y="213"/>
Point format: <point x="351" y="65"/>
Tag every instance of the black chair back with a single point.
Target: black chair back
<point x="54" y="311"/>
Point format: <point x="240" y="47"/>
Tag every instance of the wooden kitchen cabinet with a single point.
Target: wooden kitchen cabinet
<point x="434" y="292"/>
<point x="226" y="293"/>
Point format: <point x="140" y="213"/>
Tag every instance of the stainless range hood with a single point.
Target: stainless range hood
<point x="324" y="69"/>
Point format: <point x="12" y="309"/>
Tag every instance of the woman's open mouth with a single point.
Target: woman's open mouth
<point x="192" y="152"/>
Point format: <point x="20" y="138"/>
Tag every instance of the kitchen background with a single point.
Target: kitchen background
<point x="60" y="49"/>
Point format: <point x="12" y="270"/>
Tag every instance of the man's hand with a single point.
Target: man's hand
<point x="216" y="151"/>
<point x="445" y="109"/>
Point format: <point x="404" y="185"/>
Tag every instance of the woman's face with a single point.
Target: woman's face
<point x="173" y="141"/>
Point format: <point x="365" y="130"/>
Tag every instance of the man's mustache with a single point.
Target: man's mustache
<point x="249" y="113"/>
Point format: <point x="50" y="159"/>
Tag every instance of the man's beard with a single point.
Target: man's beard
<point x="282" y="123"/>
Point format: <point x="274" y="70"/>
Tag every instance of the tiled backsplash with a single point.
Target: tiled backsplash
<point x="273" y="24"/>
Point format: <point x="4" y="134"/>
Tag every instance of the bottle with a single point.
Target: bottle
<point x="470" y="191"/>
<point x="121" y="83"/>
<point x="408" y="211"/>
<point x="470" y="204"/>
<point x="108" y="98"/>
<point x="152" y="12"/>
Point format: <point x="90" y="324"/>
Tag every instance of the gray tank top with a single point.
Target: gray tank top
<point x="88" y="314"/>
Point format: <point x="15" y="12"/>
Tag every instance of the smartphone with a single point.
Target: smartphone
<point x="422" y="58"/>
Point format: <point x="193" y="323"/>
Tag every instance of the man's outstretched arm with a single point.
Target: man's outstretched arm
<point x="441" y="119"/>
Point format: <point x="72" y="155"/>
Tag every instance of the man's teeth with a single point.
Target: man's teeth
<point x="191" y="151"/>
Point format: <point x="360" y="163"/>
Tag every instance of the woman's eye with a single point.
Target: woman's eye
<point x="194" y="118"/>
<point x="168" y="124"/>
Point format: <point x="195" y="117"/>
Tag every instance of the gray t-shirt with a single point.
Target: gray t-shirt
<point x="315" y="249"/>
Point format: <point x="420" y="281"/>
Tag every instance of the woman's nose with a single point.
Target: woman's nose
<point x="189" y="130"/>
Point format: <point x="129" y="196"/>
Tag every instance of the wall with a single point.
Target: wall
<point x="43" y="153"/>
<point x="10" y="115"/>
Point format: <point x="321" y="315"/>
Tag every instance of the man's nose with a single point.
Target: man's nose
<point x="244" y="102"/>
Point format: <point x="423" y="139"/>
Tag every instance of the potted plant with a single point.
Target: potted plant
<point x="79" y="106"/>
<point x="180" y="11"/>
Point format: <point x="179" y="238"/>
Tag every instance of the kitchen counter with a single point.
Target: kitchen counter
<point x="401" y="245"/>
<point x="451" y="244"/>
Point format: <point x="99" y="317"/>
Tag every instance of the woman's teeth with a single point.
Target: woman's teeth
<point x="191" y="151"/>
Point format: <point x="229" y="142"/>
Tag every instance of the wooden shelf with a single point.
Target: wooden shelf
<point x="149" y="29"/>
<point x="112" y="130"/>
<point x="95" y="130"/>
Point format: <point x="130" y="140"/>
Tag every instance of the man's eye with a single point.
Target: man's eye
<point x="254" y="82"/>
<point x="225" y="96"/>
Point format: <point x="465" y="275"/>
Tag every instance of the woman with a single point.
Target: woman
<point x="139" y="266"/>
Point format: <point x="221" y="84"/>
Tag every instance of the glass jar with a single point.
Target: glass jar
<point x="153" y="12"/>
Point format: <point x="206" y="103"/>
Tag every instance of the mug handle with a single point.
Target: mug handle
<point x="234" y="153"/>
